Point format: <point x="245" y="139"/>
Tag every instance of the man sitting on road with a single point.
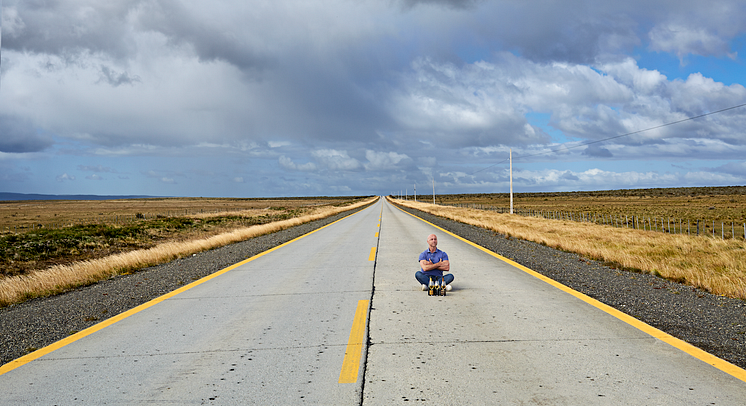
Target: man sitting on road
<point x="433" y="263"/>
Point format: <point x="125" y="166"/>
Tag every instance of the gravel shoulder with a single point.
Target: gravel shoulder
<point x="713" y="323"/>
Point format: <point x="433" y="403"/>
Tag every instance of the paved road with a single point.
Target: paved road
<point x="289" y="328"/>
<point x="505" y="337"/>
<point x="271" y="331"/>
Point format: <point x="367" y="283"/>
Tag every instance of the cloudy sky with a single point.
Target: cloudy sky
<point x="348" y="97"/>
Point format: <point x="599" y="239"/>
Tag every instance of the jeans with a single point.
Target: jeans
<point x="425" y="279"/>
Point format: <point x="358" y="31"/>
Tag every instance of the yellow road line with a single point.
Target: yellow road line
<point x="695" y="352"/>
<point x="353" y="353"/>
<point x="90" y="330"/>
<point x="372" y="256"/>
<point x="376" y="234"/>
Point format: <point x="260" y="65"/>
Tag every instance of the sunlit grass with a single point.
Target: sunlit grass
<point x="712" y="264"/>
<point x="56" y="279"/>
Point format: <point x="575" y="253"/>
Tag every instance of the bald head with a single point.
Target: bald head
<point x="432" y="242"/>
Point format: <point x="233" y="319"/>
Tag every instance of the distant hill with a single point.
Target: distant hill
<point x="24" y="196"/>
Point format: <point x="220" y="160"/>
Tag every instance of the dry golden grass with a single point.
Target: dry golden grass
<point x="716" y="205"/>
<point x="712" y="264"/>
<point x="62" y="277"/>
<point x="22" y="215"/>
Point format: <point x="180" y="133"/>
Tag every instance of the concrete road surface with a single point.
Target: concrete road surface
<point x="502" y="336"/>
<point x="289" y="327"/>
<point x="273" y="331"/>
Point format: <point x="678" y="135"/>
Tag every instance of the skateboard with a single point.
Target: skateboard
<point x="436" y="288"/>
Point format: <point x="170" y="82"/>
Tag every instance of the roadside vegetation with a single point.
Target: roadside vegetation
<point x="722" y="210"/>
<point x="712" y="264"/>
<point x="49" y="261"/>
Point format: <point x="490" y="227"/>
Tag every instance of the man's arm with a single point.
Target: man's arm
<point x="443" y="265"/>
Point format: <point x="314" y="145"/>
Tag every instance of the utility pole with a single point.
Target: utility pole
<point x="433" y="190"/>
<point x="415" y="192"/>
<point x="511" y="181"/>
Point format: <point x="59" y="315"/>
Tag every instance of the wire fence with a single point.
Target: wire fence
<point x="696" y="227"/>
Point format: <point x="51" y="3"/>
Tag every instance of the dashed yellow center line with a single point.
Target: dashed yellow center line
<point x="353" y="353"/>
<point x="372" y="256"/>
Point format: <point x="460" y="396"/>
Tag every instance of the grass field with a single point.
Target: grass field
<point x="69" y="231"/>
<point x="719" y="205"/>
<point x="22" y="216"/>
<point x="104" y="248"/>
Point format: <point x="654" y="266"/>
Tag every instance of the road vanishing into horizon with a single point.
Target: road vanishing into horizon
<point x="336" y="318"/>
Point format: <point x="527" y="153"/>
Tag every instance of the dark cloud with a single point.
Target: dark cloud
<point x="63" y="27"/>
<point x="732" y="168"/>
<point x="115" y="79"/>
<point x="19" y="135"/>
<point x="569" y="176"/>
<point x="455" y="4"/>
<point x="596" y="151"/>
<point x="70" y="28"/>
<point x="210" y="39"/>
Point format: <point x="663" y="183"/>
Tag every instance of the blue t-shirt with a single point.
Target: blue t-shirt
<point x="433" y="257"/>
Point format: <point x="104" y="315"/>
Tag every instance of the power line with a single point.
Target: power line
<point x="584" y="144"/>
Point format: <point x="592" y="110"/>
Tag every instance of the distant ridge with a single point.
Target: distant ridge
<point x="24" y="196"/>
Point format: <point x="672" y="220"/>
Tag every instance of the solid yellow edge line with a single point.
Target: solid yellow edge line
<point x="121" y="316"/>
<point x="353" y="352"/>
<point x="695" y="352"/>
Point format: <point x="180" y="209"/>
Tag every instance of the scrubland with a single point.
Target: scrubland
<point x="709" y="204"/>
<point x="49" y="261"/>
<point x="712" y="264"/>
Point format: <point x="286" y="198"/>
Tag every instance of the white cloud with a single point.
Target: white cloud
<point x="65" y="177"/>
<point x="683" y="40"/>
<point x="383" y="160"/>
<point x="487" y="103"/>
<point x="336" y="160"/>
<point x="12" y="24"/>
<point x="288" y="163"/>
